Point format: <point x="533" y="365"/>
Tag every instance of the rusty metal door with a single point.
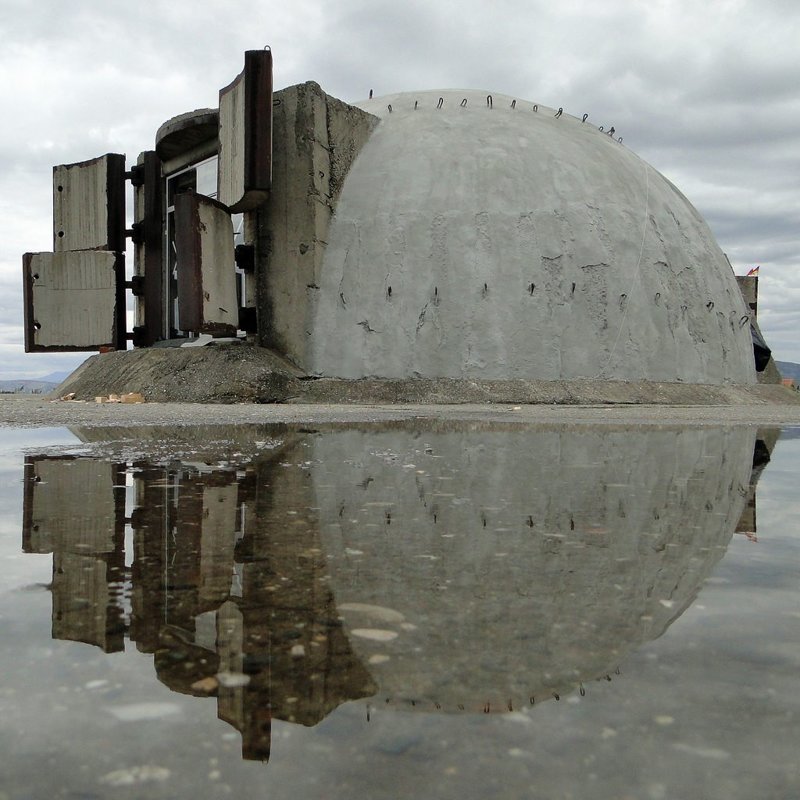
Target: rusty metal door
<point x="206" y="268"/>
<point x="245" y="135"/>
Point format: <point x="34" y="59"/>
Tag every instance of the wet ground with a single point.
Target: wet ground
<point x="390" y="602"/>
<point x="32" y="410"/>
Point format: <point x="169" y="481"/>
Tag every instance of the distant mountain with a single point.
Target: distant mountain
<point x="42" y="385"/>
<point x="789" y="370"/>
<point x="56" y="377"/>
<point x="24" y="386"/>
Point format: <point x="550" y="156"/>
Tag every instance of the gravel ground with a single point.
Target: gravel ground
<point x="32" y="411"/>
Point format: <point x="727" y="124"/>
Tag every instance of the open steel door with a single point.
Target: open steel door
<point x="75" y="296"/>
<point x="244" y="174"/>
<point x="70" y="301"/>
<point x="207" y="298"/>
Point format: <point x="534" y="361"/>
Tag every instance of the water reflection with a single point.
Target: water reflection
<point x="463" y="571"/>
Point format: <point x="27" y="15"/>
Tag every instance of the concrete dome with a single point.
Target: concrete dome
<point x="509" y="243"/>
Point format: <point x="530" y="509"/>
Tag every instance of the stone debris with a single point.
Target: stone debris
<point x="376" y="612"/>
<point x="232" y="680"/>
<point x="67" y="398"/>
<point x="134" y="775"/>
<point x="374" y="634"/>
<point x="140" y="712"/>
<point x="129" y="397"/>
<point x="207" y="685"/>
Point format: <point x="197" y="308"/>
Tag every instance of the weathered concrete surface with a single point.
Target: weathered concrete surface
<point x="70" y="299"/>
<point x="207" y="301"/>
<point x="513" y="244"/>
<point x="245" y="135"/>
<point x="243" y="373"/>
<point x="315" y="140"/>
<point x="748" y="285"/>
<point x="89" y="204"/>
<point x="575" y="392"/>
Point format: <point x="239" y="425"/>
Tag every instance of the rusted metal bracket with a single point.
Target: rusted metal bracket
<point x="248" y="320"/>
<point x="139" y="336"/>
<point x="136" y="175"/>
<point x="136" y="232"/>
<point x="245" y="257"/>
<point x="136" y="284"/>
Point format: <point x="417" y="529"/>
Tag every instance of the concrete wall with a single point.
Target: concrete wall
<point x="748" y="285"/>
<point x="315" y="140"/>
<point x="509" y="243"/>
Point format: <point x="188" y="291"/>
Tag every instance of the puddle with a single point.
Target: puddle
<point x="439" y="610"/>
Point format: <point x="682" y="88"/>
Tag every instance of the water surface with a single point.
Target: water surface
<point x="437" y="610"/>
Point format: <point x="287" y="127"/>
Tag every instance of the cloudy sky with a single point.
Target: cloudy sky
<point x="707" y="91"/>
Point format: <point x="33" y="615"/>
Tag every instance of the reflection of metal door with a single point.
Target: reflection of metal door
<point x="74" y="509"/>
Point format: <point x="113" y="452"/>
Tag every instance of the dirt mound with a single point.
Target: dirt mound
<point x="243" y="373"/>
<point x="226" y="373"/>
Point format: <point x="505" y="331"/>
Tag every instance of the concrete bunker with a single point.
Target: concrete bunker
<point x="429" y="235"/>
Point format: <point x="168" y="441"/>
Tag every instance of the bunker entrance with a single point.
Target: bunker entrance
<point x="200" y="179"/>
<point x="192" y="266"/>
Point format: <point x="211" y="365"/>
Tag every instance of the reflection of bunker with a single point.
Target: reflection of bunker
<point x="221" y="590"/>
<point x="456" y="567"/>
<point x="515" y="565"/>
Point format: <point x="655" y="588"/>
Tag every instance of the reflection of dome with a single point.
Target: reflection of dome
<point x="455" y="564"/>
<point x="488" y="568"/>
<point x="509" y="243"/>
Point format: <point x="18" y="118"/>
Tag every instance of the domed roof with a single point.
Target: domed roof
<point x="480" y="236"/>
